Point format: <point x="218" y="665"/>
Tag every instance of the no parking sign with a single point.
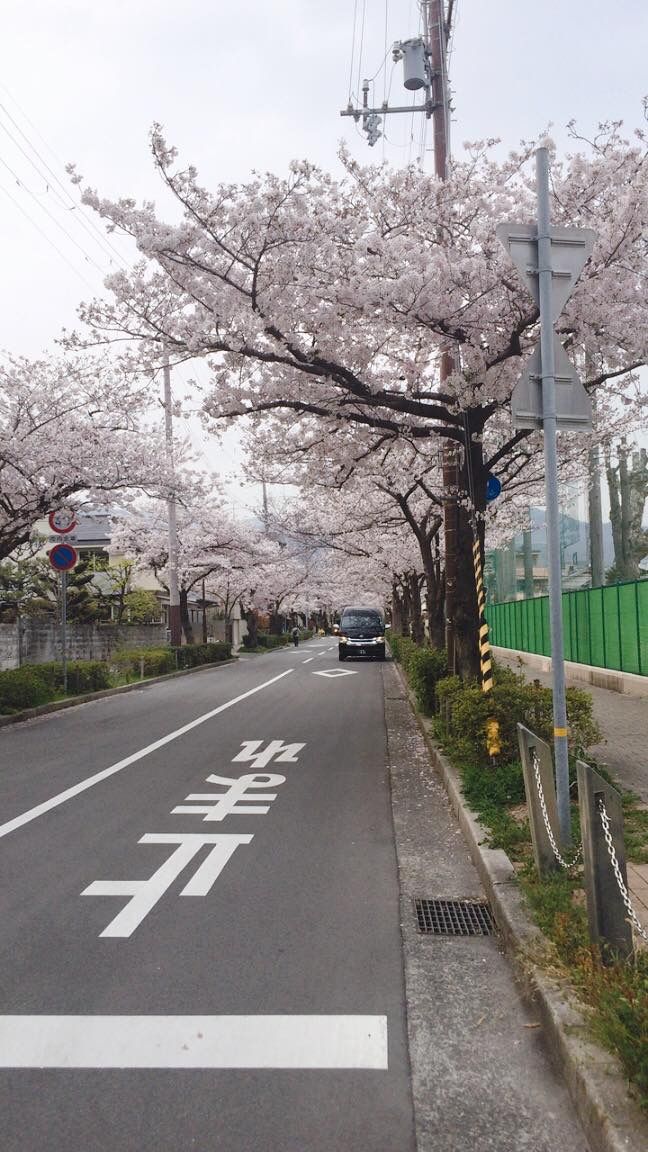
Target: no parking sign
<point x="63" y="557"/>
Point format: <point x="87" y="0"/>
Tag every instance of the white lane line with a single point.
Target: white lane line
<point x="193" y="1042"/>
<point x="309" y="660"/>
<point x="69" y="793"/>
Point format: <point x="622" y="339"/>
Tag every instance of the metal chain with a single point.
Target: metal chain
<point x="625" y="895"/>
<point x="545" y="815"/>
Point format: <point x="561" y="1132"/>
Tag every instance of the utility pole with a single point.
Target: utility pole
<point x="175" y="627"/>
<point x="424" y="62"/>
<point x="436" y="41"/>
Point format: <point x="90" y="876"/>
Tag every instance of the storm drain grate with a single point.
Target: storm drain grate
<point x="453" y="917"/>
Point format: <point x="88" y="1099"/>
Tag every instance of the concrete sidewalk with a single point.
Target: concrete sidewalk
<point x="623" y="721"/>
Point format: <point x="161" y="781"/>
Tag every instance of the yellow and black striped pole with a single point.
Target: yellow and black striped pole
<point x="485" y="658"/>
<point x="493" y="741"/>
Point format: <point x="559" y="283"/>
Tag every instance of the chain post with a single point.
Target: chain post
<point x="537" y="765"/>
<point x="616" y="868"/>
<point x="606" y="882"/>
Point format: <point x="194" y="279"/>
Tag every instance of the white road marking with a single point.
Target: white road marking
<point x="70" y="793"/>
<point x="335" y="672"/>
<point x="309" y="660"/>
<point x="236" y="798"/>
<point x="146" y="893"/>
<point x="193" y="1042"/>
<point x="253" y="753"/>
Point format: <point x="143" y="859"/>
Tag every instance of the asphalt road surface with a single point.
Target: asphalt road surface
<point x="201" y="943"/>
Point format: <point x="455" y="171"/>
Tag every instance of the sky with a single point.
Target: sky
<point x="249" y="86"/>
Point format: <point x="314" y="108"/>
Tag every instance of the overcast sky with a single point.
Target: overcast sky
<point x="253" y="85"/>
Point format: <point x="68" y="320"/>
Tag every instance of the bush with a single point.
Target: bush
<point x="87" y="676"/>
<point x="132" y="662"/>
<point x="52" y="674"/>
<point x="464" y="710"/>
<point x="402" y="648"/>
<point x="425" y="667"/>
<point x="272" y="640"/>
<point x="22" y="688"/>
<point x="193" y="655"/>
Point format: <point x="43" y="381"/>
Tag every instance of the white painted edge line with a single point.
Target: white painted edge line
<point x="90" y="781"/>
<point x="193" y="1042"/>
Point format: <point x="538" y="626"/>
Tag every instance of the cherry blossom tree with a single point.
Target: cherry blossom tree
<point x="70" y="429"/>
<point x="211" y="547"/>
<point x="329" y="302"/>
<point x="363" y="549"/>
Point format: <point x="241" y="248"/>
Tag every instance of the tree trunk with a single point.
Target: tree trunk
<point x="418" y="631"/>
<point x="251" y="621"/>
<point x="434" y="590"/>
<point x="466" y="617"/>
<point x="620" y="486"/>
<point x="397" y="610"/>
<point x="275" y="622"/>
<point x="184" y="617"/>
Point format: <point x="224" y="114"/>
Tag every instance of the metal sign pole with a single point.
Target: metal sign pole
<point x="64" y="628"/>
<point x="545" y="286"/>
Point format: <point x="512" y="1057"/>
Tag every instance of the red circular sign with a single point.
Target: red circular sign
<point x="62" y="557"/>
<point x="62" y="520"/>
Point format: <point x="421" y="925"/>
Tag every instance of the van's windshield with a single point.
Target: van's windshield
<point x="361" y="620"/>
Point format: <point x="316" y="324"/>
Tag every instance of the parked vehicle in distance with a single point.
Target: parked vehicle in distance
<point x="335" y="630"/>
<point x="362" y="633"/>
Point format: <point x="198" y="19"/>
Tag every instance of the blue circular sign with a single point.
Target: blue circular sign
<point x="493" y="488"/>
<point x="62" y="557"/>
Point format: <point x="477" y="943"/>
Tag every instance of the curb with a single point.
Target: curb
<point x="86" y="697"/>
<point x="611" y="1120"/>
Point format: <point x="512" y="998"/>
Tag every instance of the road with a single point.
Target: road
<point x="206" y="937"/>
<point x="291" y="926"/>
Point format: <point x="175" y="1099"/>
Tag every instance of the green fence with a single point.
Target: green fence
<point x="604" y="627"/>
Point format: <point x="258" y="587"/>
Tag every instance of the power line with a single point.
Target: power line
<point x="47" y="212"/>
<point x="353" y="40"/>
<point x="86" y="222"/>
<point x="46" y="237"/>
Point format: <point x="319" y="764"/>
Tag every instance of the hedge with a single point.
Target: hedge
<point x="135" y="662"/>
<point x="272" y="640"/>
<point x="422" y="666"/>
<point x="193" y="655"/>
<point x="36" y="684"/>
<point x="463" y="711"/>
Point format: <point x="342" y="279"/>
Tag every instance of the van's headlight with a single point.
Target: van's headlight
<point x="342" y="638"/>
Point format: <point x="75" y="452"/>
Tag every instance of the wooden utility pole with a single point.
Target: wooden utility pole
<point x="436" y="40"/>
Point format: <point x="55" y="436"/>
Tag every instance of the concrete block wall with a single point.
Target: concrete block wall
<point x="40" y="641"/>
